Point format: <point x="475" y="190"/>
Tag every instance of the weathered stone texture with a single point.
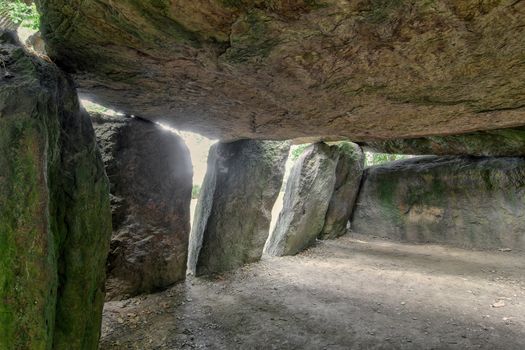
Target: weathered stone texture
<point x="500" y="142"/>
<point x="55" y="220"/>
<point x="150" y="172"/>
<point x="233" y="215"/>
<point x="365" y="70"/>
<point x="350" y="163"/>
<point x="306" y="199"/>
<point x="463" y="201"/>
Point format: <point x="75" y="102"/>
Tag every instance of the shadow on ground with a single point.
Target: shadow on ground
<point x="349" y="293"/>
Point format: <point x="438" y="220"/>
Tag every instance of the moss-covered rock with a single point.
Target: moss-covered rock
<point x="500" y="142"/>
<point x="151" y="180"/>
<point x="233" y="214"/>
<point x="55" y="218"/>
<point x="462" y="201"/>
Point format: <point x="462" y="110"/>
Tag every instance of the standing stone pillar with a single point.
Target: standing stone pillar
<point x="319" y="197"/>
<point x="306" y="200"/>
<point x="233" y="215"/>
<point x="55" y="219"/>
<point x="150" y="172"/>
<point x="348" y="174"/>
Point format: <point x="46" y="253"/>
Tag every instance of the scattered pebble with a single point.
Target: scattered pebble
<point x="498" y="304"/>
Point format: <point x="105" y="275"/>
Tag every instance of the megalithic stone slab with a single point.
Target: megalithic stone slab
<point x="306" y="200"/>
<point x="462" y="201"/>
<point x="364" y="70"/>
<point x="233" y="215"/>
<point x="509" y="142"/>
<point x="150" y="172"/>
<point x="348" y="174"/>
<point x="55" y="219"/>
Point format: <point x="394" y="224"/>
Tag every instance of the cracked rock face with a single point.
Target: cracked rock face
<point x="150" y="173"/>
<point x="364" y="70"/>
<point x="233" y="215"/>
<point x="464" y="201"/>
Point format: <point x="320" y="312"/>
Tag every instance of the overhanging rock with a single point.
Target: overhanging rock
<point x="360" y="70"/>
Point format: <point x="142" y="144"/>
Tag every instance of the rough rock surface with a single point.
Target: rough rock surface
<point x="233" y="215"/>
<point x="55" y="219"/>
<point x="500" y="142"/>
<point x="275" y="69"/>
<point x="36" y="43"/>
<point x="306" y="199"/>
<point x="150" y="172"/>
<point x="350" y="163"/>
<point x="464" y="201"/>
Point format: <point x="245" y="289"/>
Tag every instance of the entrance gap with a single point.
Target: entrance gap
<point x="199" y="147"/>
<point x="376" y="158"/>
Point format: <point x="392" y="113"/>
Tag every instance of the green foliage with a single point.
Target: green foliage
<point x="298" y="150"/>
<point x="382" y="158"/>
<point x="195" y="191"/>
<point x="95" y="108"/>
<point x="21" y="13"/>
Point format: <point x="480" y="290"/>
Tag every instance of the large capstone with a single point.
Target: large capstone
<point x="306" y="199"/>
<point x="365" y="70"/>
<point x="55" y="219"/>
<point x="350" y="163"/>
<point x="463" y="201"/>
<point x="150" y="172"/>
<point x="233" y="214"/>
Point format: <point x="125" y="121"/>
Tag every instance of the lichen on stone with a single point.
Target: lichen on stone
<point x="53" y="210"/>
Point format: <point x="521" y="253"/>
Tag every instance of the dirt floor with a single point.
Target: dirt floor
<point x="349" y="293"/>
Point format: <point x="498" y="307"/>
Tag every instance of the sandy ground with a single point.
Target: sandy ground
<point x="342" y="294"/>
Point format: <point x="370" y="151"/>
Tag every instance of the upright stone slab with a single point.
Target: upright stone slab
<point x="150" y="172"/>
<point x="55" y="220"/>
<point x="306" y="200"/>
<point x="348" y="173"/>
<point x="233" y="214"/>
<point x="463" y="201"/>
